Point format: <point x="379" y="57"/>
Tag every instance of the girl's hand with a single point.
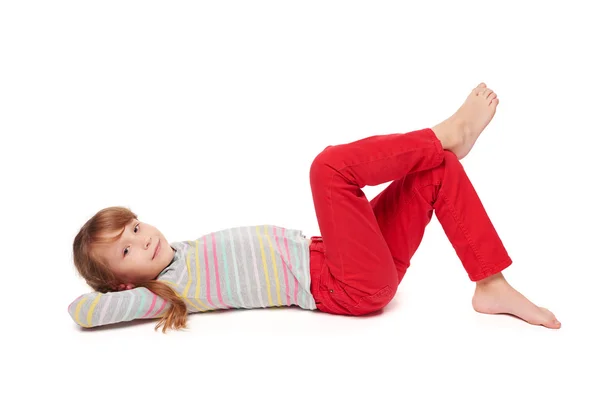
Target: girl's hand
<point x="123" y="286"/>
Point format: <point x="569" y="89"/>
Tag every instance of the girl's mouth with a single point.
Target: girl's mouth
<point x="156" y="250"/>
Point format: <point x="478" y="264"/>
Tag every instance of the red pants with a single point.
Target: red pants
<point x="366" y="247"/>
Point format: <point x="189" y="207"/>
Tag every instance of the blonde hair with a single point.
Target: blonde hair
<point x="97" y="274"/>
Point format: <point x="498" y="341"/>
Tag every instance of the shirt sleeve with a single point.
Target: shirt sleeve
<point x="95" y="308"/>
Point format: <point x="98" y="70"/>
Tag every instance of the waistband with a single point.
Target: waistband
<point x="317" y="257"/>
<point x="316" y="243"/>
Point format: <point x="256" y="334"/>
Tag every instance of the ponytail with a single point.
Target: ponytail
<point x="176" y="316"/>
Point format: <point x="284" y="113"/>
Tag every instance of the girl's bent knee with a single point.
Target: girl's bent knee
<point x="375" y="302"/>
<point x="320" y="165"/>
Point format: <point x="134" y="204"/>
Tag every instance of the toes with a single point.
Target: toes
<point x="494" y="102"/>
<point x="479" y="91"/>
<point x="551" y="320"/>
<point x="485" y="93"/>
<point x="552" y="324"/>
<point x="481" y="87"/>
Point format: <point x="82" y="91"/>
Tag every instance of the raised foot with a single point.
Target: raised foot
<point x="460" y="132"/>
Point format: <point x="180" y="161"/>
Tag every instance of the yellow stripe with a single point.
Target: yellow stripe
<point x="91" y="310"/>
<point x="78" y="309"/>
<point x="183" y="298"/>
<point x="199" y="281"/>
<point x="201" y="307"/>
<point x="274" y="260"/>
<point x="195" y="306"/>
<point x="189" y="283"/>
<point x="266" y="271"/>
<point x="197" y="296"/>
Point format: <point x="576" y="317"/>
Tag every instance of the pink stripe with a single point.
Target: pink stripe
<point x="285" y="274"/>
<point x="160" y="309"/>
<point x="217" y="280"/>
<point x="207" y="275"/>
<point x="287" y="248"/>
<point x="151" y="305"/>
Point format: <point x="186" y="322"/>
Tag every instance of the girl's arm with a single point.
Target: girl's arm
<point x="95" y="308"/>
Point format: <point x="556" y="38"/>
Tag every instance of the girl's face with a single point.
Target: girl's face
<point x="131" y="257"/>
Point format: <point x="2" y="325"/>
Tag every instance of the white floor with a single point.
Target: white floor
<point x="201" y="116"/>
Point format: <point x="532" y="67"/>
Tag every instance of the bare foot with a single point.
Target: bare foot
<point x="460" y="132"/>
<point x="494" y="295"/>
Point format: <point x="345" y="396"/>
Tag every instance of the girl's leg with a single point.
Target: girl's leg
<point x="406" y="206"/>
<point x="359" y="274"/>
<point x="404" y="209"/>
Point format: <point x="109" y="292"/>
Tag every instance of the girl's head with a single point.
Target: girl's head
<point x="114" y="249"/>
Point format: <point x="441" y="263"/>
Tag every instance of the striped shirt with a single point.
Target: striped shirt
<point x="255" y="266"/>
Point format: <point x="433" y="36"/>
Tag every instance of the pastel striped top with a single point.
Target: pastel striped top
<point x="255" y="266"/>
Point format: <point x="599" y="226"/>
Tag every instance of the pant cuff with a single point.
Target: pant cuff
<point x="491" y="271"/>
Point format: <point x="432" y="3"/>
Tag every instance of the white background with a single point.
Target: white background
<point x="200" y="116"/>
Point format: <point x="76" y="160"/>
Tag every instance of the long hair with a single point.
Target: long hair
<point x="99" y="276"/>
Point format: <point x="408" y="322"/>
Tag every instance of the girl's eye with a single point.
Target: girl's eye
<point x="125" y="252"/>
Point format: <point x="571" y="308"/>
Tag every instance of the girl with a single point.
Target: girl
<point x="354" y="268"/>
